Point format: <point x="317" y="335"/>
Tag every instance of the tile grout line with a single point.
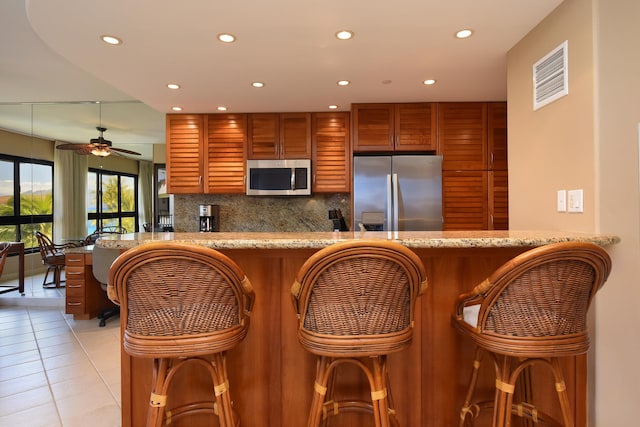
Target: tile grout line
<point x="84" y="350"/>
<point x="44" y="368"/>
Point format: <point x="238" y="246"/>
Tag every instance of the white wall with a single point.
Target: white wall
<point x="588" y="140"/>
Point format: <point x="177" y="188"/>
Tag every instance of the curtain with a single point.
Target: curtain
<point x="145" y="192"/>
<point x="70" y="190"/>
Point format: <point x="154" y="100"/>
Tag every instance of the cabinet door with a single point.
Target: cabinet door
<point x="464" y="200"/>
<point x="498" y="200"/>
<point x="373" y="127"/>
<point x="225" y="161"/>
<point x="415" y="127"/>
<point x="263" y="136"/>
<point x="497" y="135"/>
<point x="331" y="153"/>
<point x="462" y="131"/>
<point x="185" y="148"/>
<point x="295" y="136"/>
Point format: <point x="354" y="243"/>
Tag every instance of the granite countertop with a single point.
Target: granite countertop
<point x="316" y="240"/>
<point x="79" y="250"/>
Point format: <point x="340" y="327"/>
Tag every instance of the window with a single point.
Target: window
<point x="112" y="199"/>
<point x="26" y="199"/>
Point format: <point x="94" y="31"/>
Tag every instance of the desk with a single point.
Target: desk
<point x="16" y="248"/>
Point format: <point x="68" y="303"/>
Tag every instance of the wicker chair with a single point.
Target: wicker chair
<point x="182" y="304"/>
<point x="53" y="257"/>
<point x="355" y="304"/>
<point x="530" y="311"/>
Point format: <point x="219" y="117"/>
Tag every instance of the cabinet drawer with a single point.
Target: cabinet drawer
<point x="74" y="259"/>
<point x="72" y="272"/>
<point x="74" y="305"/>
<point x="74" y="289"/>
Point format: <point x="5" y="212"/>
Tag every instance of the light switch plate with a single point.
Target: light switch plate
<point x="575" y="201"/>
<point x="562" y="200"/>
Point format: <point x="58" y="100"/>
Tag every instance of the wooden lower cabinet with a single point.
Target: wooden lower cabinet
<point x="271" y="375"/>
<point x="84" y="298"/>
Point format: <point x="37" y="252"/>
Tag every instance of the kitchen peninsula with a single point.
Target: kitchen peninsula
<point x="271" y="376"/>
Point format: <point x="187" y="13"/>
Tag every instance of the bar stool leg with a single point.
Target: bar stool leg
<point x="561" y="389"/>
<point x="157" y="399"/>
<point x="319" y="391"/>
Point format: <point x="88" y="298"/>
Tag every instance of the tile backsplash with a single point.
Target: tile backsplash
<point x="249" y="213"/>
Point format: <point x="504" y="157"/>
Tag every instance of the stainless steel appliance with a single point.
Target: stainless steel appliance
<point x="397" y="193"/>
<point x="209" y="218"/>
<point x="291" y="177"/>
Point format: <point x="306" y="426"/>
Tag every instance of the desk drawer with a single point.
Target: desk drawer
<point x="74" y="259"/>
<point x="74" y="304"/>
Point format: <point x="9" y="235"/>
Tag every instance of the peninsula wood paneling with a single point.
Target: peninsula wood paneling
<point x="184" y="147"/>
<point x="331" y="159"/>
<point x="271" y="375"/>
<point x="225" y="162"/>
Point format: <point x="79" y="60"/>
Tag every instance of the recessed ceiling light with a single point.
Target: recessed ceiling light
<point x="173" y="86"/>
<point x="344" y="82"/>
<point x="429" y="82"/>
<point x="226" y="38"/>
<point x="333" y="107"/>
<point x="463" y="34"/>
<point x="176" y="108"/>
<point x="344" y="35"/>
<point x="221" y="108"/>
<point x="257" y="84"/>
<point x="111" y="40"/>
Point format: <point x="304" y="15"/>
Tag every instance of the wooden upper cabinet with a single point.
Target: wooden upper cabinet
<point x="497" y="135"/>
<point x="184" y="145"/>
<point x="279" y="136"/>
<point x="462" y="128"/>
<point x="373" y="127"/>
<point x="416" y="127"/>
<point x="225" y="160"/>
<point x="331" y="152"/>
<point x="394" y="127"/>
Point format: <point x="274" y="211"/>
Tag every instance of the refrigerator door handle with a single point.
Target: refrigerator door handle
<point x="395" y="201"/>
<point x="389" y="203"/>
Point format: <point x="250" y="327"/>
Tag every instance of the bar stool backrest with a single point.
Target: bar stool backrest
<point x="358" y="298"/>
<point x="179" y="300"/>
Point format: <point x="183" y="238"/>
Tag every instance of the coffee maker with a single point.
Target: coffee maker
<point x="209" y="218"/>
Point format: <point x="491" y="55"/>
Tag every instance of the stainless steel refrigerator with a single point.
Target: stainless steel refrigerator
<point x="397" y="193"/>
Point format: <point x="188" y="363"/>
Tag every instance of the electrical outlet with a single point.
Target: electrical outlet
<point x="562" y="200"/>
<point x="575" y="201"/>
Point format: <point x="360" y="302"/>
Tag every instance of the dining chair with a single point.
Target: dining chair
<point x="53" y="257"/>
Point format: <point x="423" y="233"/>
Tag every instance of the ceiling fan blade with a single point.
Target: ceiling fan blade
<point x="122" y="150"/>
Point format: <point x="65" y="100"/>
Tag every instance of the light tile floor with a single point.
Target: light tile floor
<point x="54" y="370"/>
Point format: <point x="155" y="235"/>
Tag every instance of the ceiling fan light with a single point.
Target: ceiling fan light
<point x="100" y="152"/>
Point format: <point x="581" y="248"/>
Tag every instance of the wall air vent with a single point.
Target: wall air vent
<point x="551" y="76"/>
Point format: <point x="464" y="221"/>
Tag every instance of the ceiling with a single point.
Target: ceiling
<point x="53" y="65"/>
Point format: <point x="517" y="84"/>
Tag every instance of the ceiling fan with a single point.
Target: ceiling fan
<point x="97" y="146"/>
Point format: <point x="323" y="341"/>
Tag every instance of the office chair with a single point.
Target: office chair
<point x="102" y="260"/>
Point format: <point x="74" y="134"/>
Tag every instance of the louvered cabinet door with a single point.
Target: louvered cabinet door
<point x="185" y="147"/>
<point x="263" y="138"/>
<point x="295" y="136"/>
<point x="498" y="200"/>
<point x="225" y="161"/>
<point x="331" y="153"/>
<point x="462" y="131"/>
<point x="464" y="200"/>
<point x="497" y="135"/>
<point x="415" y="127"/>
<point x="373" y="127"/>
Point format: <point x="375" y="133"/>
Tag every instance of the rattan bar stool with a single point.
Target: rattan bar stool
<point x="182" y="304"/>
<point x="355" y="304"/>
<point x="530" y="311"/>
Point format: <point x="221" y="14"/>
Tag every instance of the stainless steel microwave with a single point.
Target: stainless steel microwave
<point x="291" y="177"/>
